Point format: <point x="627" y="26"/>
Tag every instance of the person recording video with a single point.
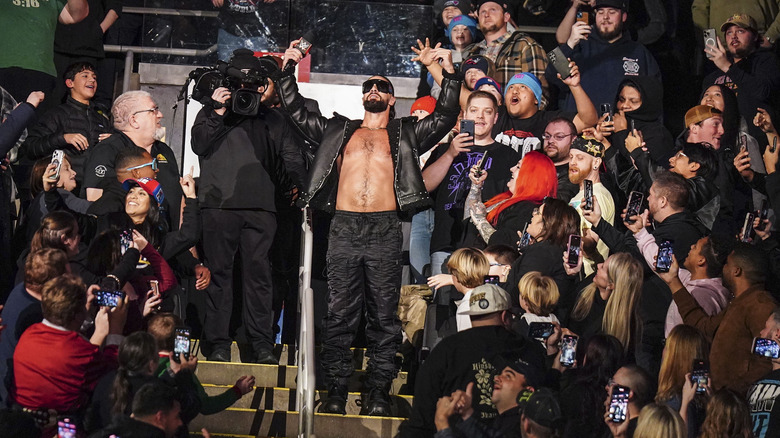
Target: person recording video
<point x="244" y="150"/>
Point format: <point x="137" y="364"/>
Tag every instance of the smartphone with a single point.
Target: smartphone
<point x="747" y="228"/>
<point x="56" y="159"/>
<point x="762" y="214"/>
<point x="525" y="239"/>
<point x="765" y="348"/>
<point x="618" y="403"/>
<point x="573" y="250"/>
<point x="66" y="428"/>
<point x="587" y="204"/>
<point x="700" y="375"/>
<point x="568" y="350"/>
<point x="664" y="259"/>
<point x="491" y="279"/>
<point x="633" y="126"/>
<point x="607" y="109"/>
<point x="773" y="148"/>
<point x="583" y="17"/>
<point x="467" y="126"/>
<point x="710" y="39"/>
<point x="634" y="205"/>
<point x="742" y="142"/>
<point x="540" y="330"/>
<point x="109" y="298"/>
<point x="481" y="164"/>
<point x="560" y="62"/>
<point x="125" y="241"/>
<point x="181" y="344"/>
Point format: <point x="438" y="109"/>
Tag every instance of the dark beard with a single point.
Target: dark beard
<point x="611" y="35"/>
<point x="374" y="106"/>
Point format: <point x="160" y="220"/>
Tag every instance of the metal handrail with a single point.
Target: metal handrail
<point x="130" y="52"/>
<point x="304" y="403"/>
<point x="163" y="11"/>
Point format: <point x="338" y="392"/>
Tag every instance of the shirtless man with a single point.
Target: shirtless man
<point x="365" y="172"/>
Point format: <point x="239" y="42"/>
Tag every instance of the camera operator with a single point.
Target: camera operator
<point x="242" y="160"/>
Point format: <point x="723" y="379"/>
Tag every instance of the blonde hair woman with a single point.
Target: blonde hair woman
<point x="609" y="304"/>
<point x="684" y="345"/>
<point x="659" y="421"/>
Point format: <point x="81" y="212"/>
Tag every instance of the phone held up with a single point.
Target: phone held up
<point x="181" y="343"/>
<point x="587" y="204"/>
<point x="618" y="403"/>
<point x="700" y="375"/>
<point x="765" y="348"/>
<point x="573" y="250"/>
<point x="663" y="261"/>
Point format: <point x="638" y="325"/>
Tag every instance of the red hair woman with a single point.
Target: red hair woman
<point x="500" y="218"/>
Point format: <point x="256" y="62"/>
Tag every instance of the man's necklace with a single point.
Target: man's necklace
<point x="372" y="129"/>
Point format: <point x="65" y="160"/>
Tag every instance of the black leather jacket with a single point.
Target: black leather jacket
<point x="408" y="138"/>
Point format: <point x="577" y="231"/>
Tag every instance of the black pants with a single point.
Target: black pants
<point x="250" y="232"/>
<point x="364" y="270"/>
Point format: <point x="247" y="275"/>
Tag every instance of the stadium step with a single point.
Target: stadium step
<point x="269" y="411"/>
<point x="262" y="423"/>
<point x="283" y="399"/>
<point x="286" y="354"/>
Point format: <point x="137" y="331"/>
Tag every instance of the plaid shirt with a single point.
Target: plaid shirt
<point x="515" y="53"/>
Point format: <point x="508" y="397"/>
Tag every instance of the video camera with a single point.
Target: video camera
<point x="244" y="101"/>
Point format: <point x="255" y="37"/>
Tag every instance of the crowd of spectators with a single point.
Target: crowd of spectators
<point x="587" y="259"/>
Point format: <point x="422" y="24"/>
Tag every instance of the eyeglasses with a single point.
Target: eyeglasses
<point x="557" y="137"/>
<point x="680" y="154"/>
<point x="381" y="86"/>
<point x="535" y="212"/>
<point x="498" y="264"/>
<point x="154" y="110"/>
<point x="152" y="163"/>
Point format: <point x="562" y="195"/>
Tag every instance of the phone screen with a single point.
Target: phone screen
<point x="573" y="250"/>
<point x="66" y="428"/>
<point x="588" y="203"/>
<point x="700" y="375"/>
<point x="618" y="404"/>
<point x="766" y="348"/>
<point x="540" y="330"/>
<point x="181" y="343"/>
<point x="568" y="350"/>
<point x="634" y="205"/>
<point x="125" y="241"/>
<point x="491" y="279"/>
<point x="108" y="298"/>
<point x="747" y="228"/>
<point x="664" y="259"/>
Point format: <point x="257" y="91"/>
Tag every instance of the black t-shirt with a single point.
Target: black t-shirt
<point x="525" y="135"/>
<point x="450" y="196"/>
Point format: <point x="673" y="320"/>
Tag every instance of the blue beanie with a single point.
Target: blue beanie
<point x="464" y="20"/>
<point x="530" y="81"/>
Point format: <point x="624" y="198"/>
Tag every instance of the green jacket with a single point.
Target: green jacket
<point x="209" y="404"/>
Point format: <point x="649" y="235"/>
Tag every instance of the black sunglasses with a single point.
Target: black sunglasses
<point x="381" y="86"/>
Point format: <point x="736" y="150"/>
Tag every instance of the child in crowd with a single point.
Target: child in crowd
<point x="538" y="297"/>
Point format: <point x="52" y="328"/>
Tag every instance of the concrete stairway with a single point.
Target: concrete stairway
<point x="269" y="411"/>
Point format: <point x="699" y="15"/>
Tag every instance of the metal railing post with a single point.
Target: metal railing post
<point x="128" y="70"/>
<point x="304" y="403"/>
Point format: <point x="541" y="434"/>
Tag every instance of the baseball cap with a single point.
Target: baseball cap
<point x="486" y="298"/>
<point x="617" y="4"/>
<point x="744" y="21"/>
<point x="534" y="376"/>
<point x="478" y="62"/>
<point x="487" y="80"/>
<point x="499" y="2"/>
<point x="150" y="186"/>
<point x="543" y="408"/>
<point x="700" y="113"/>
<point x="590" y="146"/>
